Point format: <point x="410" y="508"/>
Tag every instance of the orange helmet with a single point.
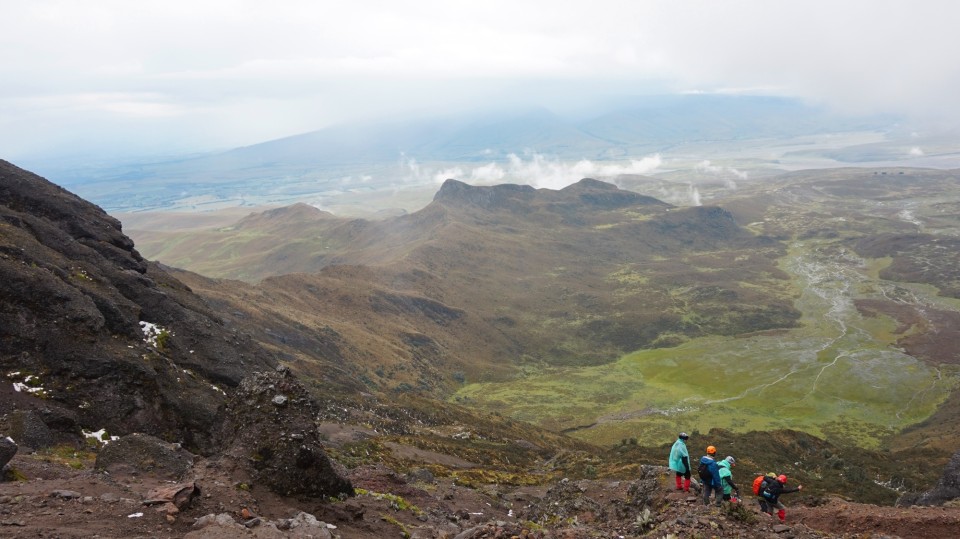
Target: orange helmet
<point x="711" y="450"/>
<point x="782" y="479"/>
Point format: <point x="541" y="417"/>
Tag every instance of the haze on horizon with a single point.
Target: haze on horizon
<point x="112" y="78"/>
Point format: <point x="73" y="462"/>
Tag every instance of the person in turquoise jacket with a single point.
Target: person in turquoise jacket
<point x="680" y="462"/>
<point x="726" y="478"/>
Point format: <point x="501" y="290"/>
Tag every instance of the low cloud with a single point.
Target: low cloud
<point x="443" y="175"/>
<point x="487" y="173"/>
<point x="542" y="172"/>
<point x="916" y="151"/>
<point x="726" y="174"/>
<point x="529" y="168"/>
<point x="695" y="196"/>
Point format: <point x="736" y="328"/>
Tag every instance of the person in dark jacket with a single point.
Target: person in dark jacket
<point x="764" y="506"/>
<point x="680" y="462"/>
<point x="710" y="476"/>
<point x="771" y="494"/>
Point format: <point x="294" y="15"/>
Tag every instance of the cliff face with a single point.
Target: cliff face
<point x="92" y="335"/>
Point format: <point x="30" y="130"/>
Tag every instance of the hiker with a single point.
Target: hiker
<point x="759" y="484"/>
<point x="680" y="462"/>
<point x="771" y="493"/>
<point x="726" y="478"/>
<point x="710" y="476"/>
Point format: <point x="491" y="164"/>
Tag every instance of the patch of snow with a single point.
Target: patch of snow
<point x="135" y="515"/>
<point x="98" y="436"/>
<point x="18" y="387"/>
<point x="9" y="439"/>
<point x="151" y="332"/>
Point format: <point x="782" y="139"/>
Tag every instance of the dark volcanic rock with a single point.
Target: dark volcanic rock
<point x="522" y="198"/>
<point x="947" y="488"/>
<point x="73" y="294"/>
<point x="27" y="427"/>
<point x="8" y="448"/>
<point x="269" y="429"/>
<point x="142" y="453"/>
<point x="510" y="197"/>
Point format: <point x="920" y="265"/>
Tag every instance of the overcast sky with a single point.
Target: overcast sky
<point x="150" y="76"/>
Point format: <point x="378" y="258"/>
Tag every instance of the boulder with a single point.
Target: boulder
<point x="144" y="454"/>
<point x="29" y="429"/>
<point x="278" y="445"/>
<point x="8" y="448"/>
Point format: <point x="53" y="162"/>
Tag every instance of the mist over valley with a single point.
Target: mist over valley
<point x="475" y="270"/>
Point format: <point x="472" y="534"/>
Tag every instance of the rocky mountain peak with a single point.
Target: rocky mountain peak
<point x="457" y="193"/>
<point x="96" y="336"/>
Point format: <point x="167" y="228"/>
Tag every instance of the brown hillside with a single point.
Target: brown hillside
<point x="487" y="278"/>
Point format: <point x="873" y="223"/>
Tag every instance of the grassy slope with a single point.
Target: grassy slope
<point x="552" y="294"/>
<point x="848" y="373"/>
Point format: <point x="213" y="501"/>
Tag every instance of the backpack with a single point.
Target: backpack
<point x="704" y="471"/>
<point x="756" y="484"/>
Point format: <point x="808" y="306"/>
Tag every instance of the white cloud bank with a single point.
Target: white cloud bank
<point x="528" y="168"/>
<point x="221" y="73"/>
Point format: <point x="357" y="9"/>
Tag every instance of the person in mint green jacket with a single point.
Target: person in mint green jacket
<point x="726" y="477"/>
<point x="680" y="461"/>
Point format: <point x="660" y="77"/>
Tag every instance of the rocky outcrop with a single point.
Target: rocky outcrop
<point x="269" y="432"/>
<point x="90" y="328"/>
<point x="8" y="448"/>
<point x="947" y="488"/>
<point x="142" y="454"/>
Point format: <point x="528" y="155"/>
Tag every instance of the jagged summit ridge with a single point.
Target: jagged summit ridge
<point x="454" y="192"/>
<point x="587" y="192"/>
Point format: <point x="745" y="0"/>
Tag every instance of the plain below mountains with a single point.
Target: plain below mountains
<point x="318" y="161"/>
<point x="485" y="280"/>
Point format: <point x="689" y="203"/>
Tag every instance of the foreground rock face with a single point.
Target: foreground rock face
<point x="269" y="431"/>
<point x="947" y="488"/>
<point x="77" y="298"/>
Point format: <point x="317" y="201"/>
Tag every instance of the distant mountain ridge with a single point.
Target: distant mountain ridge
<point x="387" y="153"/>
<point x="649" y="126"/>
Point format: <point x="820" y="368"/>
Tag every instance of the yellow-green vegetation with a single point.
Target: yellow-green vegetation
<point x="17" y="475"/>
<point x="475" y="478"/>
<point x="67" y="455"/>
<point x="838" y="375"/>
<point x="81" y="274"/>
<point x="163" y="338"/>
<point x="628" y="277"/>
<point x="397" y="503"/>
<point x="360" y="453"/>
<point x="404" y="532"/>
<point x="738" y="512"/>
